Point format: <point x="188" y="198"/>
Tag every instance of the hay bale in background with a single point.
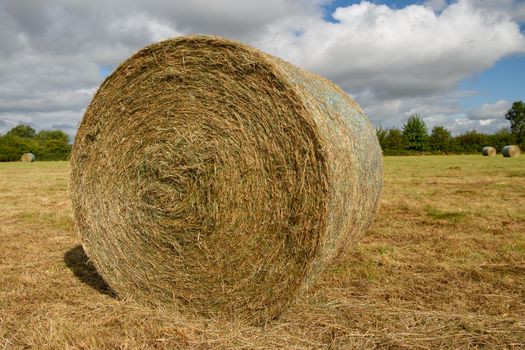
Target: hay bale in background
<point x="218" y="179"/>
<point x="489" y="151"/>
<point x="511" y="151"/>
<point x="27" y="157"/>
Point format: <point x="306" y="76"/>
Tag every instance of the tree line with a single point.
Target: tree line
<point x="45" y="145"/>
<point x="414" y="137"/>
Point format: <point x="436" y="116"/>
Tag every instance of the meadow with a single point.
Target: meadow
<point x="443" y="266"/>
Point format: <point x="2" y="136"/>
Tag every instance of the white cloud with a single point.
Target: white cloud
<point x="394" y="61"/>
<point x="461" y="125"/>
<point x="513" y="8"/>
<point x="411" y="60"/>
<point x="436" y="5"/>
<point x="402" y="53"/>
<point x="489" y="111"/>
<point x="485" y="122"/>
<point x="487" y="118"/>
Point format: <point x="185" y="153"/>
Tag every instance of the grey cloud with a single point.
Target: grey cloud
<point x="437" y="110"/>
<point x="66" y="121"/>
<point x="231" y="18"/>
<point x="4" y="126"/>
<point x="35" y="105"/>
<point x="461" y="125"/>
<point x="64" y="126"/>
<point x="27" y="18"/>
<point x="436" y="5"/>
<point x="415" y="62"/>
<point x="122" y="22"/>
<point x="52" y="51"/>
<point x="512" y="8"/>
<point x="495" y="111"/>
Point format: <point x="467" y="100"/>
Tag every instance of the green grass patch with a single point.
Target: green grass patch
<point x="53" y="220"/>
<point x="516" y="174"/>
<point x="515" y="245"/>
<point x="451" y="216"/>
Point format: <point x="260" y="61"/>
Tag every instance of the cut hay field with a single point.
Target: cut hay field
<point x="442" y="267"/>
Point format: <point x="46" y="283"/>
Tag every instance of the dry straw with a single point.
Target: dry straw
<point x="212" y="177"/>
<point x="27" y="157"/>
<point x="511" y="151"/>
<point x="489" y="151"/>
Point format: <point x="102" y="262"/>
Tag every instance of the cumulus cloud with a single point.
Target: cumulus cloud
<point x="489" y="111"/>
<point x="411" y="60"/>
<point x="55" y="54"/>
<point x="513" y="8"/>
<point x="487" y="118"/>
<point x="436" y="5"/>
<point x="403" y="53"/>
<point x="394" y="61"/>
<point x="461" y="125"/>
<point x="439" y="110"/>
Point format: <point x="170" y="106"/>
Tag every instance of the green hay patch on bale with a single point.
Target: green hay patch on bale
<point x="217" y="179"/>
<point x="27" y="157"/>
<point x="489" y="151"/>
<point x="511" y="151"/>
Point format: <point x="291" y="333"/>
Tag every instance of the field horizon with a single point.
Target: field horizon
<point x="443" y="266"/>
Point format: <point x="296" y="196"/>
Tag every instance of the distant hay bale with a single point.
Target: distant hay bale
<point x="511" y="151"/>
<point x="489" y="151"/>
<point x="27" y="157"/>
<point x="212" y="177"/>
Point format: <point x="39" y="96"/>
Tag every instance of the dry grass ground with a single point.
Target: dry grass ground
<point x="443" y="267"/>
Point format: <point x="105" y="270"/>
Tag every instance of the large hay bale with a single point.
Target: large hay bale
<point x="218" y="179"/>
<point x="489" y="151"/>
<point x="511" y="151"/>
<point x="27" y="157"/>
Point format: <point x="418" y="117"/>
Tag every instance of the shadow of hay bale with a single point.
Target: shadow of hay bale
<point x="77" y="260"/>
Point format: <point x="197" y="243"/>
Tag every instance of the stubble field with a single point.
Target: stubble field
<point x="443" y="266"/>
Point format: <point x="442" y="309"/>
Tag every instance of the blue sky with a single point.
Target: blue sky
<point x="343" y="3"/>
<point x="505" y="80"/>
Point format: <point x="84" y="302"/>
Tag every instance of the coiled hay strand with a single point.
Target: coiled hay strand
<point x="489" y="151"/>
<point x="27" y="157"/>
<point x="511" y="151"/>
<point x="214" y="178"/>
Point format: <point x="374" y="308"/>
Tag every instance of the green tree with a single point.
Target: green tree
<point x="501" y="138"/>
<point x="415" y="133"/>
<point x="46" y="135"/>
<point x="471" y="142"/>
<point x="22" y="131"/>
<point x="381" y="136"/>
<point x="12" y="147"/>
<point x="46" y="145"/>
<point x="394" y="140"/>
<point x="440" y="139"/>
<point x="516" y="117"/>
<point x="55" y="150"/>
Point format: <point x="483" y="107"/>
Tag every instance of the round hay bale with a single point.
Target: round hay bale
<point x="511" y="151"/>
<point x="27" y="157"/>
<point x="489" y="151"/>
<point x="212" y="177"/>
